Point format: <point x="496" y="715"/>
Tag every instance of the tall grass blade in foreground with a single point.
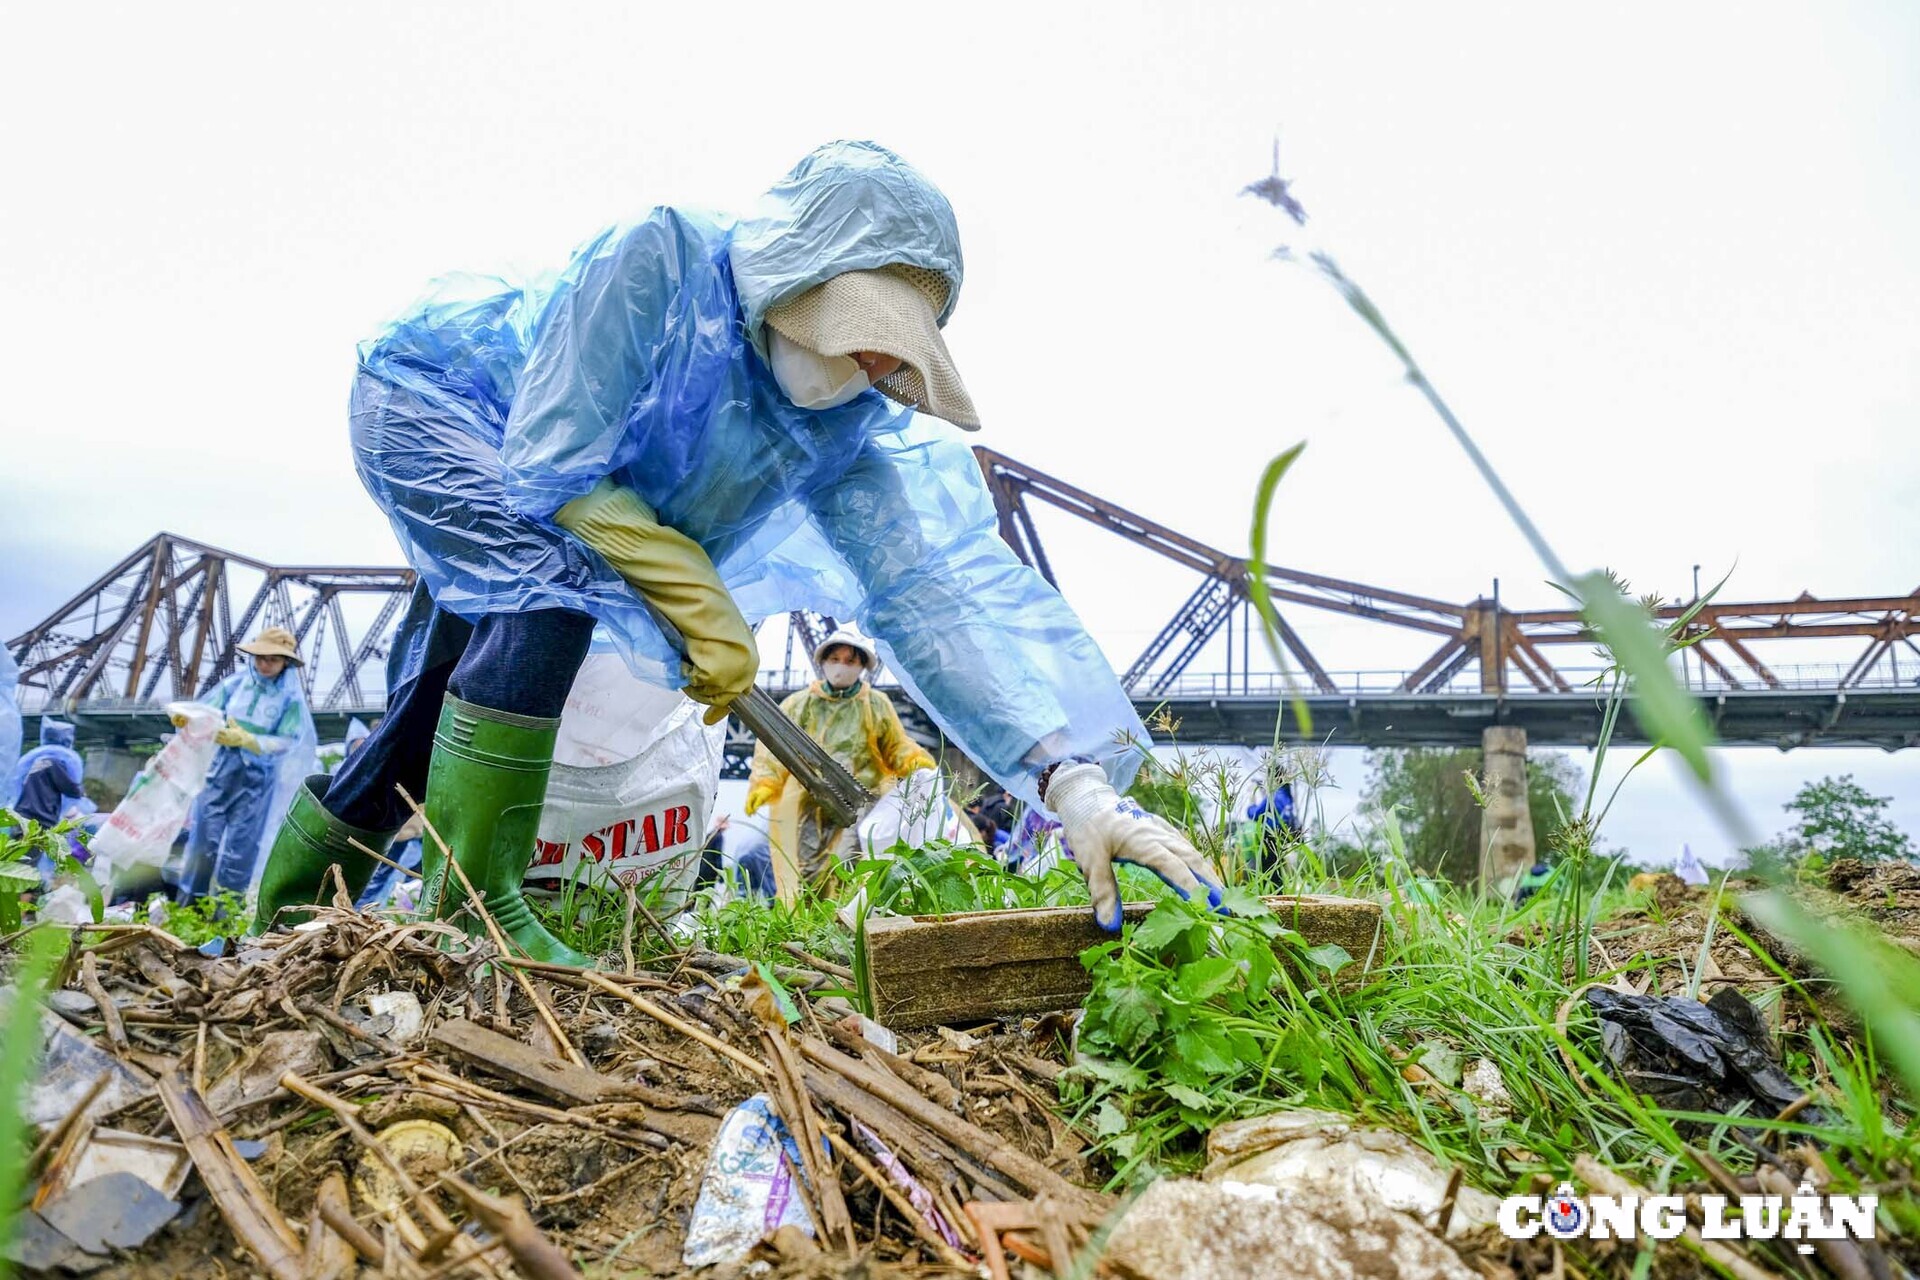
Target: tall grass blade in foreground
<point x="19" y="1050"/>
<point x="1663" y="709"/>
<point x="1257" y="574"/>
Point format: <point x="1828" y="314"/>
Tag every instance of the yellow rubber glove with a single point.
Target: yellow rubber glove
<point x="761" y="794"/>
<point x="232" y="735"/>
<point x="179" y="720"/>
<point x="672" y="573"/>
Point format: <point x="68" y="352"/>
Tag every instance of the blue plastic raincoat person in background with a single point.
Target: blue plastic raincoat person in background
<point x="267" y="719"/>
<point x="703" y="421"/>
<point x="12" y="729"/>
<point x="49" y="778"/>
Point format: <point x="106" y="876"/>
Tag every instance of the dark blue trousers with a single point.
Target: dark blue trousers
<point x="523" y="663"/>
<point x="227" y="822"/>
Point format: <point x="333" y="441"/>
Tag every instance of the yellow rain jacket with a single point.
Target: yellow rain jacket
<point x="859" y="728"/>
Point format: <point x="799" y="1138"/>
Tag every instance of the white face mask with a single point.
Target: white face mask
<point x="811" y="380"/>
<point x="841" y="675"/>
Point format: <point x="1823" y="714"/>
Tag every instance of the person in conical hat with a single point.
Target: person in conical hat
<point x="267" y="724"/>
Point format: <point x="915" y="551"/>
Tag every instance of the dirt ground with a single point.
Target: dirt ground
<point x="612" y="1183"/>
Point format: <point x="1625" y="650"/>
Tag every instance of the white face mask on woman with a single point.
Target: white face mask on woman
<point x="841" y="675"/>
<point x="811" y="380"/>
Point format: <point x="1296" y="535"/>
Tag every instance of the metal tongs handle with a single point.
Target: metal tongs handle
<point x="839" y="795"/>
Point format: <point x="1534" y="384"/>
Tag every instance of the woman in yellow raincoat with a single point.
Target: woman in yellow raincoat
<point x="844" y="713"/>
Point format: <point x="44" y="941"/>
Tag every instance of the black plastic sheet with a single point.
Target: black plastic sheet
<point x="1689" y="1056"/>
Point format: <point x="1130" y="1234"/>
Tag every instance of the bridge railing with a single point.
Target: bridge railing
<point x="1813" y="677"/>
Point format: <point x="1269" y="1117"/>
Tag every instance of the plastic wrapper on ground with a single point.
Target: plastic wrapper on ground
<point x="751" y="1188"/>
<point x="1690" y="1056"/>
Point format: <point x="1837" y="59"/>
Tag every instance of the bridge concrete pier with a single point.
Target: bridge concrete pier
<point x="1506" y="825"/>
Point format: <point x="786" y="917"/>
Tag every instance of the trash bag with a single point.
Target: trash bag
<point x="635" y="773"/>
<point x="915" y="813"/>
<point x="143" y="826"/>
<point x="1689" y="1056"/>
<point x="1689" y="868"/>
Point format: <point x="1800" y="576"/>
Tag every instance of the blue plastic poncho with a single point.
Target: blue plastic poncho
<point x="56" y="740"/>
<point x="12" y="728"/>
<point x="238" y="812"/>
<point x="487" y="407"/>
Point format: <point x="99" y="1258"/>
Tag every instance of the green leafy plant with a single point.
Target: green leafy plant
<point x="1838" y="819"/>
<point x="219" y="914"/>
<point x="23" y="842"/>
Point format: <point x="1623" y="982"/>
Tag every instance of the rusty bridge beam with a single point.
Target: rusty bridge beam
<point x="1197" y="555"/>
<point x="1720" y="668"/>
<point x="1883" y="606"/>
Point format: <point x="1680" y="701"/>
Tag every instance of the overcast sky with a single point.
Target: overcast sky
<point x="1661" y="259"/>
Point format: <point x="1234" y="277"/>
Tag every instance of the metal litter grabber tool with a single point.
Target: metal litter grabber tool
<point x="838" y="794"/>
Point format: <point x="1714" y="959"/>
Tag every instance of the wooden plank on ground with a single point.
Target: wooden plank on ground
<point x="546" y="1074"/>
<point x="992" y="964"/>
<point x="237" y="1194"/>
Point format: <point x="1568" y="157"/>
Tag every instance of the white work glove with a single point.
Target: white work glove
<point x="1103" y="827"/>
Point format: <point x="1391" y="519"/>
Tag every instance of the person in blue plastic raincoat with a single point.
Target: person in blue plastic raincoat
<point x="702" y="421"/>
<point x="49" y="779"/>
<point x="12" y="727"/>
<point x="268" y="731"/>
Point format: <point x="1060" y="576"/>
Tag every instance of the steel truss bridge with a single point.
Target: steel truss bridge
<point x="163" y="624"/>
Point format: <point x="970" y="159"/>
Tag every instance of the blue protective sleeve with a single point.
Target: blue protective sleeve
<point x="977" y="638"/>
<point x="593" y="351"/>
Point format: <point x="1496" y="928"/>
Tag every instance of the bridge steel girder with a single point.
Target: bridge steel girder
<point x="166" y="611"/>
<point x="161" y="613"/>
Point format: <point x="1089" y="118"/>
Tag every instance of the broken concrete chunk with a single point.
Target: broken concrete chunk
<point x="118" y="1211"/>
<point x="69" y="1064"/>
<point x="37" y="1247"/>
<point x="1326" y="1153"/>
<point x="74" y="1004"/>
<point x="1181" y="1230"/>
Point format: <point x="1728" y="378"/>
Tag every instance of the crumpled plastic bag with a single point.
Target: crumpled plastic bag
<point x="1689" y="1056"/>
<point x="750" y="1190"/>
<point x="142" y="827"/>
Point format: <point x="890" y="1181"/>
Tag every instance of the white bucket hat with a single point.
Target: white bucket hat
<point x="853" y="640"/>
<point x="893" y="309"/>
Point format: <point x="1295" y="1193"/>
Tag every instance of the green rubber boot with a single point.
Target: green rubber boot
<point x="309" y="841"/>
<point x="485" y="788"/>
